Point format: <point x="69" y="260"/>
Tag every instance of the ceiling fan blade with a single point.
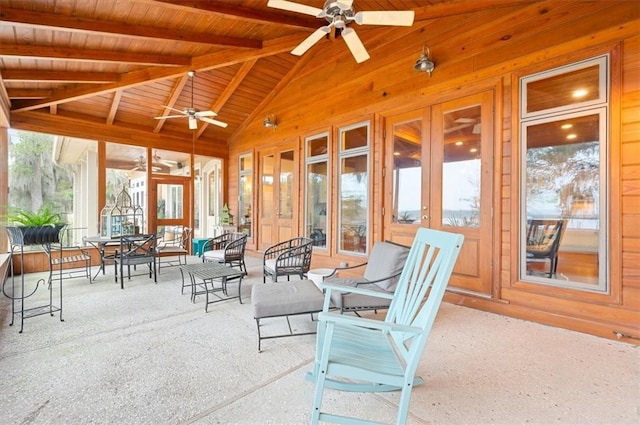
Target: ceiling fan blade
<point x="402" y="18"/>
<point x="193" y="123"/>
<point x="214" y="122"/>
<point x="206" y="114"/>
<point x="169" y="116"/>
<point x="358" y="50"/>
<point x="296" y="7"/>
<point x="311" y="40"/>
<point x="345" y="4"/>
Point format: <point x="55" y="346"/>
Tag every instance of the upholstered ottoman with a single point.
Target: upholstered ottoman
<point x="285" y="299"/>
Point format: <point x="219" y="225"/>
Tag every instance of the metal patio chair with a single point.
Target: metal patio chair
<point x="288" y="258"/>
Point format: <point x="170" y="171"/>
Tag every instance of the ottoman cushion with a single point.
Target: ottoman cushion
<point x="287" y="298"/>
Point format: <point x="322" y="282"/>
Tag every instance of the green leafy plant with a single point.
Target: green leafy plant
<point x="43" y="217"/>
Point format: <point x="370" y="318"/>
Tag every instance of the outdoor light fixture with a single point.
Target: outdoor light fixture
<point x="270" y="121"/>
<point x="424" y="62"/>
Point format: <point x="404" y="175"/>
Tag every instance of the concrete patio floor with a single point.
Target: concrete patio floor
<point x="147" y="355"/>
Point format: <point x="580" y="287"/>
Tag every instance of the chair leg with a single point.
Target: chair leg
<point x="405" y="399"/>
<point x="321" y="374"/>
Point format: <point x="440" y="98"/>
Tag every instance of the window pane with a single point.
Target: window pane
<point x="285" y="198"/>
<point x="266" y="210"/>
<point x="245" y="203"/>
<point x="407" y="171"/>
<point x="170" y="202"/>
<point x="354" y="203"/>
<point x="317" y="146"/>
<point x="461" y="168"/>
<point x="564" y="89"/>
<point x="317" y="190"/>
<point x="246" y="163"/>
<point x="353" y="138"/>
<point x="563" y="185"/>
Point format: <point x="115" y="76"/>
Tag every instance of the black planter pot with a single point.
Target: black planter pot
<point x="34" y="235"/>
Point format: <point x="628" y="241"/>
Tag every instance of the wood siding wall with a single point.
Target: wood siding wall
<point x="472" y="54"/>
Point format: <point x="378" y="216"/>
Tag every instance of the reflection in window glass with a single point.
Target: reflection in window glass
<point x="245" y="202"/>
<point x="562" y="182"/>
<point x="285" y="196"/>
<point x="461" y="168"/>
<point x="266" y="210"/>
<point x="317" y="190"/>
<point x="353" y="198"/>
<point x="407" y="171"/>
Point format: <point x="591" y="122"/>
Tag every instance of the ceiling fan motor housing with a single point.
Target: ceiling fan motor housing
<point x="334" y="12"/>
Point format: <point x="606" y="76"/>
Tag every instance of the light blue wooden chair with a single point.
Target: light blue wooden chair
<point x="366" y="355"/>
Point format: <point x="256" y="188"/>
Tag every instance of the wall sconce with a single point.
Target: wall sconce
<point x="270" y="121"/>
<point x="424" y="63"/>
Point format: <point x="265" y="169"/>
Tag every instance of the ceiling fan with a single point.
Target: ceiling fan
<point x="192" y="114"/>
<point x="339" y="13"/>
<point x="141" y="163"/>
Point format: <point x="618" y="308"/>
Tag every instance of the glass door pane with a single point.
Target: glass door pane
<point x="407" y="172"/>
<point x="285" y="190"/>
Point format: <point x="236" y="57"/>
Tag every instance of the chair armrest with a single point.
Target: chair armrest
<point x="337" y="269"/>
<point x="354" y="290"/>
<point x="382" y="279"/>
<point x="364" y="322"/>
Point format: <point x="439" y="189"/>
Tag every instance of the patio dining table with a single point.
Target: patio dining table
<point x="101" y="243"/>
<point x="208" y="272"/>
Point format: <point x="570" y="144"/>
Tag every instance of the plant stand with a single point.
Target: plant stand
<point x="19" y="238"/>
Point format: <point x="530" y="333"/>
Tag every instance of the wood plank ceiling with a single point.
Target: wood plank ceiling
<point x="96" y="63"/>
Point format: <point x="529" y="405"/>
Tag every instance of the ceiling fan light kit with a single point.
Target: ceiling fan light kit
<point x="339" y="13"/>
<point x="424" y="62"/>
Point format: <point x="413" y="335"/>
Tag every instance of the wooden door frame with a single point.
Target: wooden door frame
<point x="152" y="201"/>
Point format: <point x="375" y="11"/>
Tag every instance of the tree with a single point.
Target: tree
<point x="34" y="180"/>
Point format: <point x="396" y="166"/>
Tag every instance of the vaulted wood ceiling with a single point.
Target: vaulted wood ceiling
<point x="106" y="68"/>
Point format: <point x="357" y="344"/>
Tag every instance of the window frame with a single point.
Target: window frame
<point x="600" y="107"/>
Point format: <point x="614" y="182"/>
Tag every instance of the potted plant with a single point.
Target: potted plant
<point x="405" y="218"/>
<point x="31" y="228"/>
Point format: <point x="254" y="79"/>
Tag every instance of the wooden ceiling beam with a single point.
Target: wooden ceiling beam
<point x="115" y="102"/>
<point x="145" y="76"/>
<point x="173" y="98"/>
<point x="75" y="54"/>
<point x="228" y="91"/>
<point x="18" y="75"/>
<point x="258" y="16"/>
<point x="118" y="28"/>
<point x="28" y="93"/>
<point x="89" y="127"/>
<point x="5" y="106"/>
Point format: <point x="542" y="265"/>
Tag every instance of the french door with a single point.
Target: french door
<point x="170" y="201"/>
<point x="277" y="195"/>
<point x="441" y="162"/>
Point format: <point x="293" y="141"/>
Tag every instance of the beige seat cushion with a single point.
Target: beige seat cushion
<point x="286" y="298"/>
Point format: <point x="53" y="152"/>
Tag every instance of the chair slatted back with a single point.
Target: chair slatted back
<point x="421" y="287"/>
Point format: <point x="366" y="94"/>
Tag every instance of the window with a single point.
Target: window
<point x="407" y="171"/>
<point x="353" y="188"/>
<point x="563" y="221"/>
<point x="245" y="198"/>
<point x="317" y="189"/>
